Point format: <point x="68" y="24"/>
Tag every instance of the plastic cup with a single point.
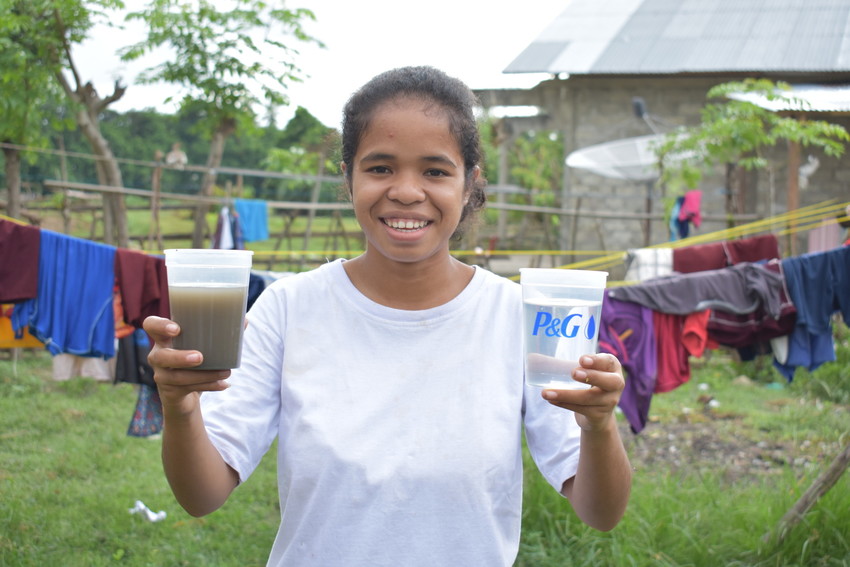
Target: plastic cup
<point x="561" y="312"/>
<point x="208" y="292"/>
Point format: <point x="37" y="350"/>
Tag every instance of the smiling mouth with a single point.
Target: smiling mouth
<point x="406" y="224"/>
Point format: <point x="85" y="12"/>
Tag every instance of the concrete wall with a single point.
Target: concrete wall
<point x="590" y="110"/>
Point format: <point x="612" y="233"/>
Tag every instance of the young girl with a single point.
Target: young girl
<point x="393" y="381"/>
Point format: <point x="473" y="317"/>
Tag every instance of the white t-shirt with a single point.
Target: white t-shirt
<point x="399" y="431"/>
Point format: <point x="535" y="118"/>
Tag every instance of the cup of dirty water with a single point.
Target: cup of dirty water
<point x="561" y="311"/>
<point x="208" y="293"/>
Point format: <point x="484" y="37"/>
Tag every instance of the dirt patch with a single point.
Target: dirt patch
<point x="718" y="444"/>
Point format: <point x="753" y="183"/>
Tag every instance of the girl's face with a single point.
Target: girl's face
<point x="408" y="183"/>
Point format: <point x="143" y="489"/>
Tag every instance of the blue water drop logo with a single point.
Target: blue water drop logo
<point x="590" y="329"/>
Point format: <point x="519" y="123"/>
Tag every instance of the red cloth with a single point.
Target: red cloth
<point x="673" y="366"/>
<point x="695" y="333"/>
<point x="19" y="251"/>
<point x="690" y="209"/>
<point x="718" y="255"/>
<point x="754" y="249"/>
<point x="143" y="285"/>
<point x="699" y="257"/>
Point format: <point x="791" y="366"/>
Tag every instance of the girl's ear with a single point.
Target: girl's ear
<point x="476" y="173"/>
<point x="345" y="178"/>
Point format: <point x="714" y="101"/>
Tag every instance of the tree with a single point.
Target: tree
<point x="27" y="93"/>
<point x="537" y="164"/>
<point x="736" y="133"/>
<point x="56" y="25"/>
<point x="220" y="59"/>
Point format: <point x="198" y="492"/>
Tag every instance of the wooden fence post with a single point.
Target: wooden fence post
<point x="819" y="487"/>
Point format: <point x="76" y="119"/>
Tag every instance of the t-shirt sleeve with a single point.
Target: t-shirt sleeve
<point x="553" y="437"/>
<point x="242" y="421"/>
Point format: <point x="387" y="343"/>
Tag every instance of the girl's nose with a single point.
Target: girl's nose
<point x="407" y="189"/>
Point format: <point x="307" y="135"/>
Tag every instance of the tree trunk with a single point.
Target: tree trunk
<point x="227" y="127"/>
<point x="155" y="233"/>
<point x="729" y="180"/>
<point x="13" y="181"/>
<point x="108" y="173"/>
<point x="115" y="229"/>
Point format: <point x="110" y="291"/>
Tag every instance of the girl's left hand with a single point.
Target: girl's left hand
<point x="594" y="407"/>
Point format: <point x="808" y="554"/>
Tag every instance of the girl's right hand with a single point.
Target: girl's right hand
<point x="178" y="384"/>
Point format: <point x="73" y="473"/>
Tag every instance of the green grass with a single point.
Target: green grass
<point x="69" y="475"/>
<point x="709" y="510"/>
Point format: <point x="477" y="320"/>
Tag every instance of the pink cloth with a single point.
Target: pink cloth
<point x="824" y="237"/>
<point x="690" y="209"/>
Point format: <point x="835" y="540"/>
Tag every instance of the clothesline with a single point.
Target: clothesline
<point x="759" y="305"/>
<point x="801" y="220"/>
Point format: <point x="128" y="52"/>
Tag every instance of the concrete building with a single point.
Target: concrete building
<point x="628" y="68"/>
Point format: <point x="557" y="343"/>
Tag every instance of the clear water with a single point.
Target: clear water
<point x="557" y="333"/>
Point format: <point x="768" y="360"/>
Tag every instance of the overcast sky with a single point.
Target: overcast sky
<point x="473" y="40"/>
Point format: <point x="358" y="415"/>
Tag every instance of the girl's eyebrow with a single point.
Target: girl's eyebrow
<point x="377" y="156"/>
<point x="381" y="156"/>
<point x="440" y="159"/>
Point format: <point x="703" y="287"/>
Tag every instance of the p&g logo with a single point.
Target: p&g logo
<point x="568" y="327"/>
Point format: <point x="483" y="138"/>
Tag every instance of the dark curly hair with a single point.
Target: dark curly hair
<point x="430" y="84"/>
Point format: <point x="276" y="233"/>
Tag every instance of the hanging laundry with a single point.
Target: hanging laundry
<point x="147" y="419"/>
<point x="626" y="331"/>
<point x="143" y="285"/>
<point x="825" y="236"/>
<point x="11" y="339"/>
<point x="690" y="210"/>
<point x="67" y="366"/>
<point x="738" y="289"/>
<point x="677" y="338"/>
<point x="716" y="255"/>
<point x="254" y="217"/>
<point x="223" y="238"/>
<point x="695" y="336"/>
<point x="819" y="285"/>
<point x="648" y="263"/>
<point x="122" y="328"/>
<point x="699" y="257"/>
<point x="678" y="228"/>
<point x="674" y="219"/>
<point x="753" y="249"/>
<point x="674" y="369"/>
<point x="131" y="365"/>
<point x="739" y="331"/>
<point x="236" y="231"/>
<point x="228" y="231"/>
<point x="73" y="309"/>
<point x="19" y="249"/>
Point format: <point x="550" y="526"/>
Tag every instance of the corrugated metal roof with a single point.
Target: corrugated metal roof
<point x="813" y="98"/>
<point x="674" y="36"/>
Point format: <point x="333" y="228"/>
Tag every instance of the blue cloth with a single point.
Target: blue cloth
<point x="253" y="216"/>
<point x="72" y="311"/>
<point x="147" y="419"/>
<point x="674" y="219"/>
<point x="678" y="228"/>
<point x="818" y="285"/>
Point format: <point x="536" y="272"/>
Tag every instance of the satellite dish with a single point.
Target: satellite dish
<point x="629" y="158"/>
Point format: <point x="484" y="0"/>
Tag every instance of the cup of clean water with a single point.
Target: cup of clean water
<point x="561" y="317"/>
<point x="208" y="293"/>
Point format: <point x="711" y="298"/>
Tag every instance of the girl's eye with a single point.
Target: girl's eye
<point x="436" y="173"/>
<point x="379" y="169"/>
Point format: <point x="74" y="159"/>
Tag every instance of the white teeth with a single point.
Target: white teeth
<point x="406" y="225"/>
